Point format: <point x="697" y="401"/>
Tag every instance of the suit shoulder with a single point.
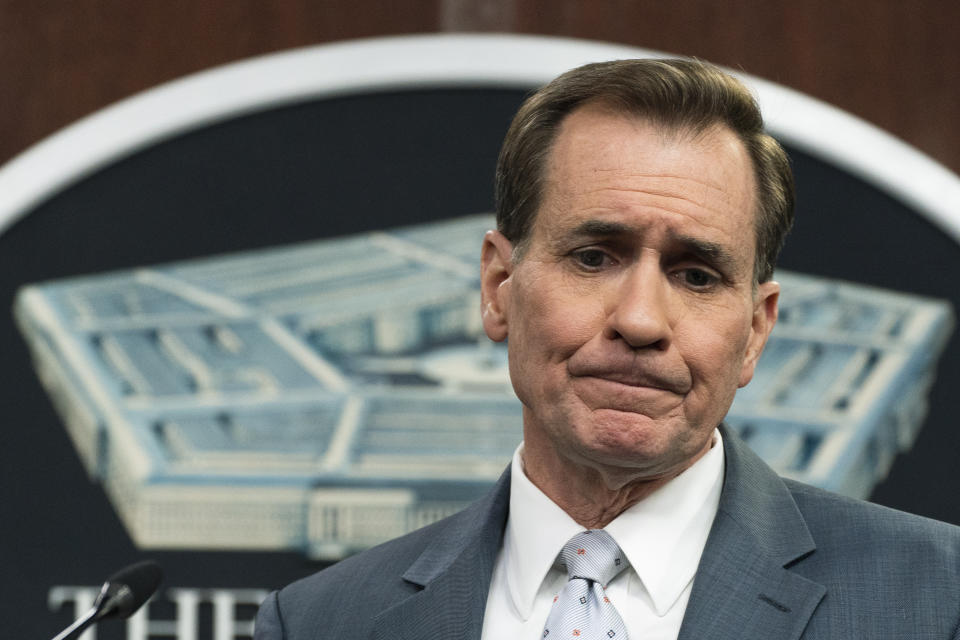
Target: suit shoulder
<point x="886" y="573"/>
<point x="386" y="561"/>
<point x="344" y="598"/>
<point x="845" y="521"/>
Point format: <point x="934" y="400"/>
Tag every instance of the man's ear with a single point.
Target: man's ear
<point x="765" y="312"/>
<point x="496" y="265"/>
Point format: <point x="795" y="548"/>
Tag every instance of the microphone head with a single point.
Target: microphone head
<point x="125" y="591"/>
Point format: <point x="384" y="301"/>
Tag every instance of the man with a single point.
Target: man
<point x="640" y="211"/>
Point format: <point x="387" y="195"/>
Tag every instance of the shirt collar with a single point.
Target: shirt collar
<point x="536" y="531"/>
<point x="662" y="536"/>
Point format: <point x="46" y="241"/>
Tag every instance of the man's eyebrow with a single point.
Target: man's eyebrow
<point x="601" y="228"/>
<point x="711" y="252"/>
<point x="589" y="229"/>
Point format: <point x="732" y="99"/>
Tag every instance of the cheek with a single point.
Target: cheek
<point x="716" y="359"/>
<point x="543" y="339"/>
<point x="553" y="325"/>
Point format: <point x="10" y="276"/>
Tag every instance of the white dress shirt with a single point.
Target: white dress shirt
<point x="662" y="536"/>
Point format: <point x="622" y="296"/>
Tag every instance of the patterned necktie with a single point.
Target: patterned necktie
<point x="582" y="610"/>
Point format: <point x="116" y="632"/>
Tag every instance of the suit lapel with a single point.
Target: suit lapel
<point x="744" y="588"/>
<point x="454" y="572"/>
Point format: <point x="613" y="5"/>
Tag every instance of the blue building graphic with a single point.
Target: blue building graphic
<point x="331" y="395"/>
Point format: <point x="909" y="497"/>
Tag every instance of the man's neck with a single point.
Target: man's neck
<point x="593" y="495"/>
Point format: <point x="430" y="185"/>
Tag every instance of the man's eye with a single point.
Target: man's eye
<point x="698" y="278"/>
<point x="592" y="258"/>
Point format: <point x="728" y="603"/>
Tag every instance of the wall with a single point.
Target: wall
<point x="894" y="64"/>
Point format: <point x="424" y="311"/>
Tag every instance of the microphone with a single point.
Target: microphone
<point x="121" y="595"/>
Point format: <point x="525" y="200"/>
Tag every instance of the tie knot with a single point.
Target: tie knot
<point x="593" y="555"/>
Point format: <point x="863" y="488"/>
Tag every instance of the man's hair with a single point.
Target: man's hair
<point x="681" y="95"/>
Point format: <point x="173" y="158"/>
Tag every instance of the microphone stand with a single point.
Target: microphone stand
<point x="87" y="619"/>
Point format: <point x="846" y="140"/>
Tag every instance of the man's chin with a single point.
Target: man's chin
<point x="631" y="425"/>
<point x="633" y="440"/>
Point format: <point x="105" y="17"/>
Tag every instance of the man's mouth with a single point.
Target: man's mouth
<point x="641" y="377"/>
<point x="633" y="380"/>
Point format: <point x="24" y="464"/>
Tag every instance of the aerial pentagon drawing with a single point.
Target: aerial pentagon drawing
<point x="327" y="396"/>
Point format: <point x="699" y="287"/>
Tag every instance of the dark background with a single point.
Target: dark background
<point x="298" y="173"/>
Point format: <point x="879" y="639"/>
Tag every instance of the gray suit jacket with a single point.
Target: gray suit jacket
<point x="783" y="561"/>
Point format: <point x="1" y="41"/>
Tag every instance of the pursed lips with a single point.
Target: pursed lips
<point x="633" y="377"/>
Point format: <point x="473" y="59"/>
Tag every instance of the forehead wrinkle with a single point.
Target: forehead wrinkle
<point x="660" y="186"/>
<point x="671" y="204"/>
<point x="676" y="203"/>
<point x="661" y="176"/>
<point x="709" y="198"/>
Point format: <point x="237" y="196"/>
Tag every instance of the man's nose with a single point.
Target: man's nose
<point x="638" y="308"/>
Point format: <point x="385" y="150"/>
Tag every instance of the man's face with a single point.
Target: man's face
<point x="632" y="314"/>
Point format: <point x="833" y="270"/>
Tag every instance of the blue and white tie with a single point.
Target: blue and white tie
<point x="582" y="609"/>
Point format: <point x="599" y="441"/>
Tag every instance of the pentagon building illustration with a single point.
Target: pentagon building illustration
<point x="327" y="396"/>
